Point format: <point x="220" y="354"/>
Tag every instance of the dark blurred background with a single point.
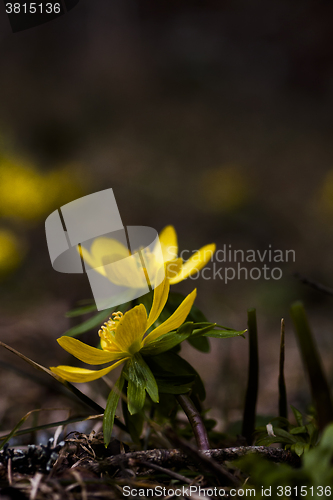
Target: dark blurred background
<point x="213" y="116"/>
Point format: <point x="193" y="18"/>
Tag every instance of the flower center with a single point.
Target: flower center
<point x="107" y="330"/>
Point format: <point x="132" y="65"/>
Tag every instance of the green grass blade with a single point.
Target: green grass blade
<point x="15" y="432"/>
<point x="110" y="409"/>
<point x="80" y="311"/>
<point x="85" y="399"/>
<point x="283" y="408"/>
<point x="17" y="426"/>
<point x="90" y="323"/>
<point x="95" y="321"/>
<point x="319" y="386"/>
<point x="253" y="378"/>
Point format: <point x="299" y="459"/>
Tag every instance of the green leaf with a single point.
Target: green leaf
<point x="90" y="323"/>
<point x="151" y="385"/>
<point x="200" y="329"/>
<point x="313" y="433"/>
<point x="224" y="334"/>
<point x="36" y="428"/>
<point x="138" y="380"/>
<point x="110" y="409"/>
<point x="306" y="447"/>
<point x="281" y="436"/>
<point x="134" y="423"/>
<point x="298" y="416"/>
<point x="79" y="311"/>
<point x="199" y="343"/>
<point x="171" y="363"/>
<point x="320" y="389"/>
<point x="186" y="328"/>
<point x="281" y="433"/>
<point x="268" y="440"/>
<point x="164" y="343"/>
<point x="326" y="442"/>
<point x="206" y="325"/>
<point x="175" y="384"/>
<point x="281" y="422"/>
<point x="208" y="330"/>
<point x="299" y="449"/>
<point x="21" y="422"/>
<point x="85" y="399"/>
<point x="173" y="389"/>
<point x="227" y="328"/>
<point x="299" y="430"/>
<point x="95" y="321"/>
<point x="318" y="461"/>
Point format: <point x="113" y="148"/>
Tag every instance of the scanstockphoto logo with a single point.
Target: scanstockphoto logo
<point x="228" y="264"/>
<point x="88" y="236"/>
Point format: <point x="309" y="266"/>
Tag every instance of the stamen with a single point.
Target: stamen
<point x="107" y="330"/>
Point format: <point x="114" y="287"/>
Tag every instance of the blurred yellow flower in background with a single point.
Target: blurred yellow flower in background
<point x="11" y="252"/>
<point x="108" y="250"/>
<point x="27" y="194"/>
<point x="224" y="189"/>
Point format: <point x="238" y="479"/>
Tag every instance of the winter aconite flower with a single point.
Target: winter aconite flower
<point x="137" y="339"/>
<point x="129" y="338"/>
<point x="125" y="337"/>
<point x="11" y="252"/>
<point x="105" y="249"/>
<point x="28" y="194"/>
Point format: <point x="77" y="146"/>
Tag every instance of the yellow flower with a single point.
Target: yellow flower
<point x="11" y="252"/>
<point x="124" y="336"/>
<point x="28" y="194"/>
<point x="224" y="190"/>
<point x="105" y="250"/>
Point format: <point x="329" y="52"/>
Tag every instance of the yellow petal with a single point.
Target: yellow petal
<point x="86" y="353"/>
<point x="73" y="374"/>
<point x="173" y="267"/>
<point x="88" y="258"/>
<point x="172" y="323"/>
<point x="108" y="247"/>
<point x="103" y="248"/>
<point x="131" y="328"/>
<point x="161" y="293"/>
<point x="198" y="260"/>
<point x="126" y="272"/>
<point x="169" y="244"/>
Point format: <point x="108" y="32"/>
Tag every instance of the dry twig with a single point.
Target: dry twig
<point x="177" y="458"/>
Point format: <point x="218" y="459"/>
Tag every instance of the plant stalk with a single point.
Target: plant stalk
<point x="283" y="407"/>
<point x="253" y="378"/>
<point x="195" y="420"/>
<point x="319" y="386"/>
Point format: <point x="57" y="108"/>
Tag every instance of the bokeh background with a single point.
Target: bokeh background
<point x="213" y="116"/>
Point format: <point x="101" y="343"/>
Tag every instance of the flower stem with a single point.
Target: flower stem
<point x="283" y="407"/>
<point x="195" y="420"/>
<point x="249" y="417"/>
